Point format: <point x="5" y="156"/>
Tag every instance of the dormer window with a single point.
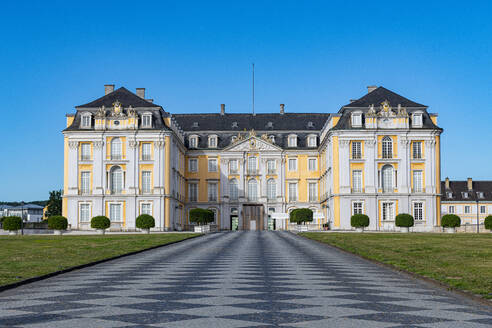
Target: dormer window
<point x="449" y="194"/>
<point x="417" y="120"/>
<point x="147" y="120"/>
<point x="271" y="138"/>
<point x="292" y="141"/>
<point x="270" y="125"/>
<point x="310" y="124"/>
<point x="356" y="119"/>
<point x="195" y="124"/>
<point x="234" y="125"/>
<point x="193" y="141"/>
<point x="480" y="194"/>
<point x="233" y="139"/>
<point x="212" y="141"/>
<point x="86" y="120"/>
<point x="464" y="194"/>
<point x="311" y="141"/>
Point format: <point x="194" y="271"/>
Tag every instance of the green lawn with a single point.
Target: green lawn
<point x="24" y="257"/>
<point x="462" y="261"/>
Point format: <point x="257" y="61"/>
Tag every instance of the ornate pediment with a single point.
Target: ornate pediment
<point x="252" y="143"/>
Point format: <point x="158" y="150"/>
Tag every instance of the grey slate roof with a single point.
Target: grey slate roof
<point x="377" y="96"/>
<point x="458" y="187"/>
<point x="124" y="96"/>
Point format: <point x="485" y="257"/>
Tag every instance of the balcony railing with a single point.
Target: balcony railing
<point x="85" y="157"/>
<point x="233" y="171"/>
<point x="272" y="171"/>
<point x="146" y="157"/>
<point x="251" y="171"/>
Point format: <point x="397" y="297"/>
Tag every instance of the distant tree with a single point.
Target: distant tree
<point x="301" y="215"/>
<point x="54" y="203"/>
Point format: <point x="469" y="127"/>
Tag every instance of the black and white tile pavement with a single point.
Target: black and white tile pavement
<point x="238" y="279"/>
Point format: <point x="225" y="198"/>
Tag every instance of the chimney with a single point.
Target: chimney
<point x="470" y="183"/>
<point x="282" y="109"/>
<point x="141" y="92"/>
<point x="371" y="88"/>
<point x="222" y="109"/>
<point x="446" y="183"/>
<point x="108" y="88"/>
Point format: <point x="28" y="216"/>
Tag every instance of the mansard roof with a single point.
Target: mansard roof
<point x="457" y="188"/>
<point x="259" y="122"/>
<point x="124" y="96"/>
<point x="380" y="94"/>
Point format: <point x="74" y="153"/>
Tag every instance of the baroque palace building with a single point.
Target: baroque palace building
<point x="378" y="155"/>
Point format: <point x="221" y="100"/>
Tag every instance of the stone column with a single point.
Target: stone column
<point x="73" y="167"/>
<point x="98" y="172"/>
<point x="371" y="172"/>
<point x="404" y="168"/>
<point x="429" y="161"/>
<point x="344" y="163"/>
<point x="132" y="167"/>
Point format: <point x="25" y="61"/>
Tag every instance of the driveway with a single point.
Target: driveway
<point x="238" y="279"/>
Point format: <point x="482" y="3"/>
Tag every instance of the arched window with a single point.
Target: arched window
<point x="387" y="147"/>
<point x="271" y="189"/>
<point x="233" y="189"/>
<point x="116" y="148"/>
<point x="252" y="190"/>
<point x="116" y="180"/>
<point x="387" y="178"/>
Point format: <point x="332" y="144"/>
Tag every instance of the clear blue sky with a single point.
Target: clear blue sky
<point x="192" y="56"/>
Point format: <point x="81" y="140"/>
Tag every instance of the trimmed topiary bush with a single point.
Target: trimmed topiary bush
<point x="359" y="221"/>
<point x="57" y="222"/>
<point x="450" y="221"/>
<point x="100" y="222"/>
<point x="488" y="222"/>
<point x="404" y="220"/>
<point x="145" y="221"/>
<point x="12" y="223"/>
<point x="301" y="215"/>
<point x="201" y="216"/>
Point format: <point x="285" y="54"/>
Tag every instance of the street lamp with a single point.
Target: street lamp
<point x="22" y="218"/>
<point x="478" y="219"/>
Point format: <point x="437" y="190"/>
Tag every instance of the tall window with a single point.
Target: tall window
<point x="147" y="120"/>
<point x="388" y="211"/>
<point x="292" y="164"/>
<point x="387" y="178"/>
<point x="193" y="165"/>
<point x="193" y="192"/>
<point x="271" y="189"/>
<point x="233" y="166"/>
<point x="357" y="208"/>
<point x="252" y="190"/>
<point x="212" y="192"/>
<point x="116" y="180"/>
<point x="357" y="181"/>
<point x="212" y="165"/>
<point x="115" y="212"/>
<point x="356" y="150"/>
<point x="252" y="165"/>
<point x="417" y="181"/>
<point x="146" y="183"/>
<point x="312" y="164"/>
<point x="271" y="166"/>
<point x="417" y="149"/>
<point x="116" y="148"/>
<point x="146" y="208"/>
<point x="313" y="191"/>
<point x="193" y="141"/>
<point x="85" y="182"/>
<point x="85" y="212"/>
<point x="387" y="145"/>
<point x="292" y="192"/>
<point x="418" y="211"/>
<point x="233" y="189"/>
<point x="146" y="151"/>
<point x="85" y="150"/>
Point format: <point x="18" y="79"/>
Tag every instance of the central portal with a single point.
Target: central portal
<point x="253" y="217"/>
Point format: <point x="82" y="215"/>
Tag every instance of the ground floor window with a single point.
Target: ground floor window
<point x="357" y="208"/>
<point x="388" y="211"/>
<point x="146" y="208"/>
<point x="85" y="212"/>
<point x="115" y="212"/>
<point x="482" y="209"/>
<point x="418" y="211"/>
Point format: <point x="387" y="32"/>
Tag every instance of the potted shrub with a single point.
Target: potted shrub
<point x="301" y="216"/>
<point x="449" y="222"/>
<point x="58" y="223"/>
<point x="100" y="223"/>
<point x="488" y="222"/>
<point x="203" y="217"/>
<point x="12" y="224"/>
<point x="404" y="221"/>
<point x="145" y="222"/>
<point x="359" y="222"/>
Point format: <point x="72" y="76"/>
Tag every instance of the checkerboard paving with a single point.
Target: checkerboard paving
<point x="238" y="279"/>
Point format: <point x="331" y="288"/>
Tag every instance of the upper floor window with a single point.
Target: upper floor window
<point x="310" y="124"/>
<point x="464" y="194"/>
<point x="467" y="209"/>
<point x="233" y="166"/>
<point x="233" y="189"/>
<point x="271" y="166"/>
<point x="146" y="181"/>
<point x="195" y="124"/>
<point x="193" y="165"/>
<point x="311" y="141"/>
<point x="356" y="150"/>
<point x="271" y="138"/>
<point x="387" y="145"/>
<point x="193" y="192"/>
<point x="312" y="164"/>
<point x="417" y="181"/>
<point x="116" y="148"/>
<point x="212" y="192"/>
<point x="85" y="182"/>
<point x="269" y="125"/>
<point x="86" y="120"/>
<point x="479" y="194"/>
<point x="357" y="119"/>
<point x="147" y="120"/>
<point x="357" y="181"/>
<point x="252" y="165"/>
<point x="146" y="151"/>
<point x="417" y="120"/>
<point x="212" y="141"/>
<point x="252" y="190"/>
<point x="193" y="141"/>
<point x="116" y="176"/>
<point x="292" y="141"/>
<point x="417" y="149"/>
<point x="387" y="178"/>
<point x="85" y="151"/>
<point x="271" y="189"/>
<point x="313" y="191"/>
<point x="451" y="209"/>
<point x="234" y="124"/>
<point x="292" y="164"/>
<point x="292" y="192"/>
<point x="212" y="165"/>
<point x="233" y="139"/>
